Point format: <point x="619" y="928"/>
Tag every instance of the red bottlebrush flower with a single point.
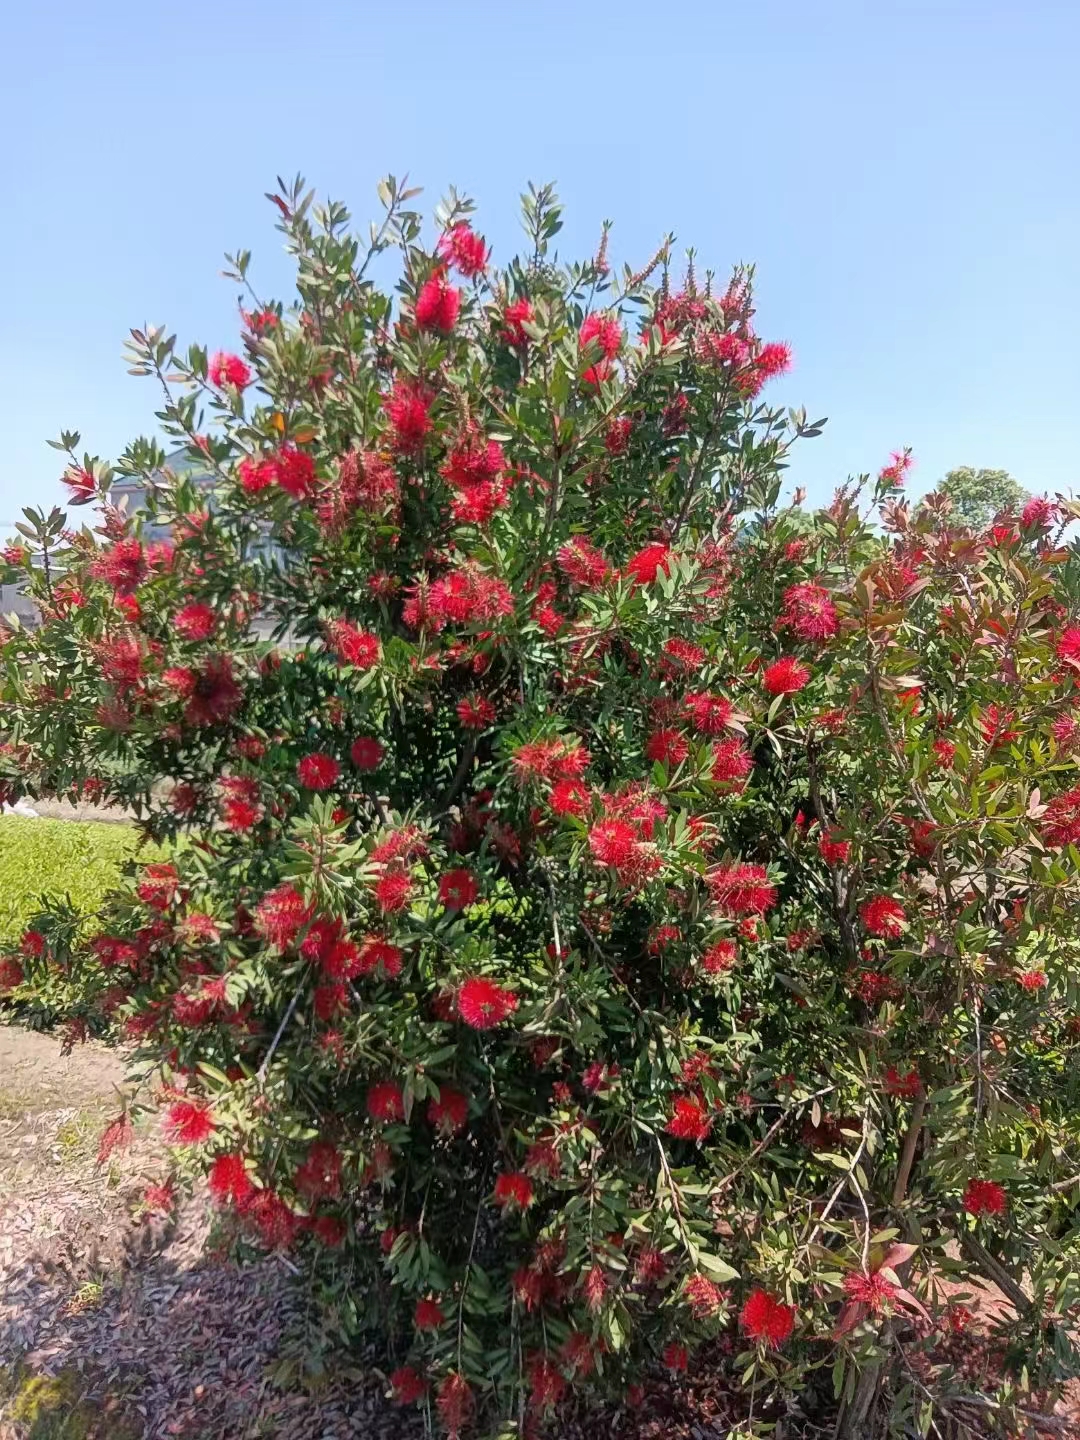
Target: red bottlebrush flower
<point x="255" y="476"/>
<point x="476" y="712"/>
<point x="604" y="331"/>
<point x="995" y="725"/>
<point x="773" y="358"/>
<point x="276" y="1222"/>
<point x="437" y="304"/>
<point x="280" y="916"/>
<point x="613" y="842"/>
<point x="661" y="936"/>
<point x="834" y="850"/>
<point x="945" y="751"/>
<point x="11" y="973"/>
<point x="295" y="472"/>
<point x="458" y="889"/>
<point x="985" y="1197"/>
<point x="366" y="753"/>
<point x="454" y="1401"/>
<point x="393" y="889"/>
<point x="121" y="661"/>
<point x="708" y="714"/>
<point x="741" y="889"/>
<point x="883" y="916"/>
<point x="318" y="771"/>
<point x="569" y="797"/>
<point x="668" y="746"/>
<point x="689" y="1119"/>
<point x="731" y="761"/>
<point x="190" y="1122"/>
<point x="195" y="622"/>
<point x="407" y="409"/>
<point x="228" y="1180"/>
<point x="228" y="370"/>
<point x="329" y="1230"/>
<point x="648" y="563"/>
<point x="353" y="646"/>
<point x="462" y="248"/>
<point x="1032" y="980"/>
<point x="902" y="1087"/>
<point x="513" y="1188"/>
<point x="117" y="1135"/>
<point x="617" y="435"/>
<point x="158" y="885"/>
<point x="322" y="935"/>
<point x="719" y="958"/>
<point x="675" y="1356"/>
<point x="428" y="1315"/>
<point x="785" y="676"/>
<point x="386" y="1102"/>
<point x="159" y="1199"/>
<point x="873" y="1291"/>
<point x="32" y="944"/>
<point x="378" y="955"/>
<point x="809" y="611"/>
<point x="594" y="1287"/>
<point x="449" y="1111"/>
<point x="180" y="680"/>
<point x="704" y="1298"/>
<point x="1061" y="822"/>
<point x="82" y="487"/>
<point x="683" y="653"/>
<point x="215" y="695"/>
<point x="1068" y="646"/>
<point x="547" y="1385"/>
<point x="554" y="759"/>
<point x="582" y="563"/>
<point x="515" y="317"/>
<point x="407" y="1385"/>
<point x="240" y="807"/>
<point x="482" y="1004"/>
<point x="329" y="1000"/>
<point x="319" y="1177"/>
<point x="122" y="566"/>
<point x="542" y="1160"/>
<point x="764" y="1317"/>
<point x="900" y="462"/>
<point x="1038" y="514"/>
<point x="1065" y="729"/>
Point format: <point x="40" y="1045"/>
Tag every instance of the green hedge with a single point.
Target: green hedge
<point x="78" y="860"/>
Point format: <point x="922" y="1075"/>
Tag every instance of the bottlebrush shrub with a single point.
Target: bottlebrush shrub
<point x="618" y="922"/>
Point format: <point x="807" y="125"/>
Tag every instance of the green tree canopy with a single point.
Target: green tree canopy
<point x="978" y="495"/>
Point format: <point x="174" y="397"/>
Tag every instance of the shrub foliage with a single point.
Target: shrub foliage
<point x="618" y="920"/>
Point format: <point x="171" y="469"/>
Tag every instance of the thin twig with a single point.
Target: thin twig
<point x="261" y="1076"/>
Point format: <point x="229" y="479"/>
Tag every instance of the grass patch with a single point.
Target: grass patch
<point x="63" y="859"/>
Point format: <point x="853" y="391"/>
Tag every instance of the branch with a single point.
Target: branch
<point x="261" y="1076"/>
<point x="907" y="1155"/>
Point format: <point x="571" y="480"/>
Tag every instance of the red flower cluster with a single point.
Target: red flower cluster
<point x="438" y="304"/>
<point x="766" y="1318"/>
<point x="741" y="889"/>
<point x="985" y="1197"/>
<point x="883" y="916"/>
<point x="318" y="771"/>
<point x="810" y="612"/>
<point x="483" y="1004"/>
<point x="228" y="370"/>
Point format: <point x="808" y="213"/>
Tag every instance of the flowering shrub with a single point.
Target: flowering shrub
<point x="618" y="922"/>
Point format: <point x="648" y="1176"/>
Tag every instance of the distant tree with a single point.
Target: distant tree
<point x="978" y="495"/>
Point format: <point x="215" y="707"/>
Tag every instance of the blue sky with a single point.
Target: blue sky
<point x="904" y="175"/>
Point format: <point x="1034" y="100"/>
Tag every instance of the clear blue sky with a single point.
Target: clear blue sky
<point x="905" y="175"/>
